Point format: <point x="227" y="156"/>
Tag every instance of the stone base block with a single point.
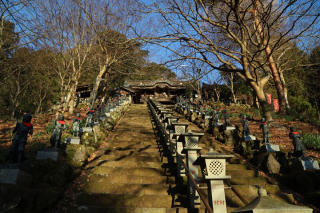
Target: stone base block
<point x="230" y="128"/>
<point x="74" y="140"/>
<point x="309" y="164"/>
<point x="15" y="176"/>
<point x="250" y="138"/>
<point x="48" y="154"/>
<point x="87" y="129"/>
<point x="272" y="147"/>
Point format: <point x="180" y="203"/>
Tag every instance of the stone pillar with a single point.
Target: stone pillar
<point x="191" y="149"/>
<point x="215" y="164"/>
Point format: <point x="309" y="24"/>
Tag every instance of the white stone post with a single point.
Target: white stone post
<point x="215" y="173"/>
<point x="191" y="148"/>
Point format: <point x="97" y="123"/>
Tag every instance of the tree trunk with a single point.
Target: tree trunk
<point x="199" y="90"/>
<point x="94" y="92"/>
<point x="285" y="89"/>
<point x="67" y="99"/>
<point x="105" y="94"/>
<point x="266" y="109"/>
<point x="272" y="64"/>
<point x="73" y="95"/>
<point x="276" y="78"/>
<point x="71" y="103"/>
<point x="234" y="98"/>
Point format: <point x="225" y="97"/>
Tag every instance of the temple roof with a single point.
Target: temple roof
<point x="162" y="83"/>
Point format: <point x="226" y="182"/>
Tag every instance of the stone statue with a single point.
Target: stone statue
<point x="89" y="121"/>
<point x="299" y="149"/>
<point x="21" y="131"/>
<point x="55" y="139"/>
<point x="245" y="125"/>
<point x="265" y="131"/>
<point x="78" y="99"/>
<point x="215" y="117"/>
<point x="226" y="116"/>
<point x="76" y="128"/>
<point x="102" y="109"/>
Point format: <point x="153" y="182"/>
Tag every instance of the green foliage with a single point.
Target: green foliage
<point x="311" y="141"/>
<point x="50" y="127"/>
<point x="302" y="109"/>
<point x="39" y="134"/>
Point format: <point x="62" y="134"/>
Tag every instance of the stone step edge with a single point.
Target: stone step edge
<point x="89" y="208"/>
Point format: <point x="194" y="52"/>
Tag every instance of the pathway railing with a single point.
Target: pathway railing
<point x="181" y="147"/>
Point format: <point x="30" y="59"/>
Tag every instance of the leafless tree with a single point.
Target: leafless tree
<point x="110" y="21"/>
<point x="67" y="33"/>
<point x="14" y="11"/>
<point x="240" y="33"/>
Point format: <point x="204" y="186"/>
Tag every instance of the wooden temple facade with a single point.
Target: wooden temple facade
<point x="164" y="91"/>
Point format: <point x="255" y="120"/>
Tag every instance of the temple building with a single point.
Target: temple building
<point x="161" y="90"/>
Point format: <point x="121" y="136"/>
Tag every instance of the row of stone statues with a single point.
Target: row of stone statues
<point x="299" y="149"/>
<point x="23" y="129"/>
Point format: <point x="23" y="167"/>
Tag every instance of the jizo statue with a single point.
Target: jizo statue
<point x="299" y="149"/>
<point x="215" y="117"/>
<point x="76" y="128"/>
<point x="89" y="121"/>
<point x="55" y="139"/>
<point x="265" y="130"/>
<point x="245" y="125"/>
<point x="226" y="116"/>
<point x="21" y="131"/>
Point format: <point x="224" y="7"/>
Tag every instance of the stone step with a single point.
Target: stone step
<point x="241" y="173"/>
<point x="236" y="167"/>
<point x="143" y="149"/>
<point x="142" y="171"/>
<point x="130" y="164"/>
<point x="128" y="156"/>
<point x="97" y="209"/>
<point x="132" y="145"/>
<point x="115" y="200"/>
<point x="129" y="179"/>
<point x="243" y="180"/>
<point x="132" y="156"/>
<point x="119" y="188"/>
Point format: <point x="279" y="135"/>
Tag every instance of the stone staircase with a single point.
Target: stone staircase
<point x="128" y="176"/>
<point x="244" y="180"/>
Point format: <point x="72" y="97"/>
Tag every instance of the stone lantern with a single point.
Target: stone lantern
<point x="169" y="120"/>
<point x="266" y="204"/>
<point x="191" y="148"/>
<point x="178" y="129"/>
<point x="215" y="166"/>
<point x="165" y="114"/>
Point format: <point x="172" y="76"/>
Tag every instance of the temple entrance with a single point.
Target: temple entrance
<point x="163" y="91"/>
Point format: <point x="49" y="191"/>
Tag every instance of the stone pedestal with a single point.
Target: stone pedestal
<point x="272" y="147"/>
<point x="14" y="176"/>
<point x="75" y="140"/>
<point x="228" y="136"/>
<point x="87" y="129"/>
<point x="48" y="154"/>
<point x="309" y="163"/>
